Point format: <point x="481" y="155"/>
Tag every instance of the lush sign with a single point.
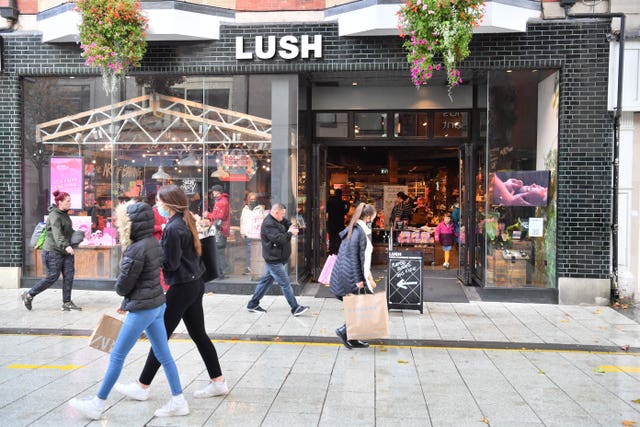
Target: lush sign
<point x="287" y="47"/>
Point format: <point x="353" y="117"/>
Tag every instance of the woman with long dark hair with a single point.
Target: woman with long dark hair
<point x="183" y="270"/>
<point x="352" y="270"/>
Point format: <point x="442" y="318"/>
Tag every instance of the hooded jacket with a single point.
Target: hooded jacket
<point x="349" y="267"/>
<point x="221" y="211"/>
<point x="59" y="231"/>
<point x="139" y="278"/>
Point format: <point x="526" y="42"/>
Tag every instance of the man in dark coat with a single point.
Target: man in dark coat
<point x="276" y="233"/>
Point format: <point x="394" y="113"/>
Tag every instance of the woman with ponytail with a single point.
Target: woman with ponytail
<point x="352" y="270"/>
<point x="183" y="270"/>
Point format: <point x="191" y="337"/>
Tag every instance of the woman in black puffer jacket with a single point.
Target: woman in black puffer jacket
<point x="139" y="284"/>
<point x="352" y="269"/>
<point x="183" y="270"/>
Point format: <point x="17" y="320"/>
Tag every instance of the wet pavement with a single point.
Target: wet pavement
<point x="457" y="364"/>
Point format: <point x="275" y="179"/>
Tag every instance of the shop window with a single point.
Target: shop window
<point x="332" y="125"/>
<point x="518" y="216"/>
<point x="131" y="159"/>
<point x="410" y="124"/>
<point x="451" y="124"/>
<point x="370" y="125"/>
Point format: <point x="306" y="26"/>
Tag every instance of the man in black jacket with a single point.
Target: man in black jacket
<point x="336" y="210"/>
<point x="276" y="233"/>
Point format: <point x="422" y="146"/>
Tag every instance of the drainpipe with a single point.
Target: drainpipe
<point x="567" y="4"/>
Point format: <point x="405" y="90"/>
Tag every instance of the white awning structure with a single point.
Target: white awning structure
<point x="156" y="119"/>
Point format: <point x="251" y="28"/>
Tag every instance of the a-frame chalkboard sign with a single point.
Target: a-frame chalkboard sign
<point x="404" y="280"/>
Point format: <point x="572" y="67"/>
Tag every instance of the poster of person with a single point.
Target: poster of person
<point x="520" y="188"/>
<point x="66" y="175"/>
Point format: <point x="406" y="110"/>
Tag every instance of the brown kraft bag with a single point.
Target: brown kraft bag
<point x="366" y="316"/>
<point x="104" y="336"/>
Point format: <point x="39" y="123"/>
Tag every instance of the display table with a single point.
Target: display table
<point x="91" y="262"/>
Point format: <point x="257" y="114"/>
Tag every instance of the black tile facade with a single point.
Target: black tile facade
<point x="578" y="48"/>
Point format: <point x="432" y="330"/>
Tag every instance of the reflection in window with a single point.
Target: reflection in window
<point x="370" y="125"/>
<point x="451" y="124"/>
<point x="410" y="124"/>
<point x="332" y="125"/>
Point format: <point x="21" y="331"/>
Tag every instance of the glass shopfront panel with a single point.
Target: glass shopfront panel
<point x="130" y="146"/>
<point x="516" y="202"/>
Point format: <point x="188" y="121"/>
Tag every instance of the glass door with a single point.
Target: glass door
<point x="464" y="212"/>
<point x="319" y="223"/>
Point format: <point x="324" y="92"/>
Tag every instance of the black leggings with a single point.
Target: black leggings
<point x="184" y="301"/>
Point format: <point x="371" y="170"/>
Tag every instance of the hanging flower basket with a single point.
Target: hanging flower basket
<point x="438" y="30"/>
<point x="112" y="36"/>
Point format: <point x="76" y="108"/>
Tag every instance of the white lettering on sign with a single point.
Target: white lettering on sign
<point x="287" y="47"/>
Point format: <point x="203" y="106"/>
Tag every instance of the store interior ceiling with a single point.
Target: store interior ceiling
<point x="385" y="78"/>
<point x="371" y="164"/>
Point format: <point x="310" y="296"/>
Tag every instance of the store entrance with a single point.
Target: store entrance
<point x="430" y="177"/>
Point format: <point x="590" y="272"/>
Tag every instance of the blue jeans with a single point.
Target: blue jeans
<point x="56" y="263"/>
<point x="278" y="273"/>
<point x="152" y="323"/>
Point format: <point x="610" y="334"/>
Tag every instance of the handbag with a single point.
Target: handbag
<point x="76" y="238"/>
<point x="210" y="258"/>
<point x="325" y="275"/>
<point x="221" y="240"/>
<point x="104" y="336"/>
<point x="366" y="316"/>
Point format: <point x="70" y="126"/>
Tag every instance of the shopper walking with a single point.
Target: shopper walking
<point x="183" y="270"/>
<point x="139" y="284"/>
<point x="352" y="270"/>
<point x="446" y="235"/>
<point x="57" y="254"/>
<point x="276" y="233"/>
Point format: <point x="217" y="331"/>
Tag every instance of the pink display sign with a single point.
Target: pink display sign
<point x="66" y="175"/>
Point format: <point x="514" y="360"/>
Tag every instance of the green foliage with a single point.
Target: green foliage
<point x="438" y="28"/>
<point x="112" y="34"/>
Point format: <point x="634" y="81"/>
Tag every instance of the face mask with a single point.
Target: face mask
<point x="163" y="211"/>
<point x="253" y="203"/>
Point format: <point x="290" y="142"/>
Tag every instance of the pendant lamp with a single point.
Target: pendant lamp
<point x="160" y="174"/>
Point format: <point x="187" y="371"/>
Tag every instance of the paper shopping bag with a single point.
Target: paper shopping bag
<point x="325" y="275"/>
<point x="104" y="336"/>
<point x="366" y="315"/>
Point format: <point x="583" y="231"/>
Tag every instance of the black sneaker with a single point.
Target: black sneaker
<point x="26" y="299"/>
<point x="247" y="271"/>
<point x="257" y="309"/>
<point x="300" y="310"/>
<point x="68" y="306"/>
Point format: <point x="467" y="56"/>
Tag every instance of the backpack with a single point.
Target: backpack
<point x="38" y="236"/>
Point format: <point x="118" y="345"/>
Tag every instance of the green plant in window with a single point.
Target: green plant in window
<point x="438" y="29"/>
<point x="112" y="36"/>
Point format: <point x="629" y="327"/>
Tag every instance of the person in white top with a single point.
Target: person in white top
<point x="250" y="222"/>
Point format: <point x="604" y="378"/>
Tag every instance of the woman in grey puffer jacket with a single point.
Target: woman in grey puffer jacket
<point x="352" y="270"/>
<point x="139" y="284"/>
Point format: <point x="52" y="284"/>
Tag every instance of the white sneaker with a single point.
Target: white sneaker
<point x="172" y="409"/>
<point x="214" y="388"/>
<point x="87" y="407"/>
<point x="133" y="390"/>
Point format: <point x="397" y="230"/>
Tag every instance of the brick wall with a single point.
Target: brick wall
<point x="578" y="48"/>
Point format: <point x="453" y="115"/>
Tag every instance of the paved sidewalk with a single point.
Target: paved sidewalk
<point x="482" y="324"/>
<point x="443" y="368"/>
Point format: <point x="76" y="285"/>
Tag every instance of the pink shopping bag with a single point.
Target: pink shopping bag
<point x="325" y="275"/>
